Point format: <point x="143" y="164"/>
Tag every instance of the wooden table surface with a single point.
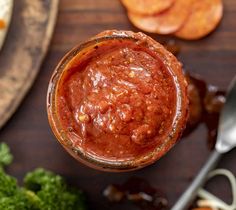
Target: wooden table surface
<point x="34" y="145"/>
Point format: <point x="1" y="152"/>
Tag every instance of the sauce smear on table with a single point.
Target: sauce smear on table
<point x="205" y="104"/>
<point x="138" y="191"/>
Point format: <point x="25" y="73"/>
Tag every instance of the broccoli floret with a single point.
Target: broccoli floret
<point x="5" y="155"/>
<point x="12" y="197"/>
<point x="19" y="201"/>
<point x="8" y="184"/>
<point x="53" y="191"/>
<point x="43" y="190"/>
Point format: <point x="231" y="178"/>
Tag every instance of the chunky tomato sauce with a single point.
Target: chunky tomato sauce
<point x="118" y="101"/>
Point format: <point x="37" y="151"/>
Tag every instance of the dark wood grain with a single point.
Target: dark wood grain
<point x="33" y="144"/>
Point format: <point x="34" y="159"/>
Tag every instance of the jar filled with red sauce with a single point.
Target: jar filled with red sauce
<point x="118" y="102"/>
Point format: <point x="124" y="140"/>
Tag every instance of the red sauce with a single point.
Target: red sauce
<point x="118" y="101"/>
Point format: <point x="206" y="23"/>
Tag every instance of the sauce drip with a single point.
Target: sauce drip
<point x="206" y="102"/>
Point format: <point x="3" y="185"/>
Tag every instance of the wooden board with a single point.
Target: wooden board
<point x="33" y="143"/>
<point x="26" y="45"/>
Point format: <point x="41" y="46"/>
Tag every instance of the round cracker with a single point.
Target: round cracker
<point x="166" y="22"/>
<point x="205" y="16"/>
<point x="147" y="7"/>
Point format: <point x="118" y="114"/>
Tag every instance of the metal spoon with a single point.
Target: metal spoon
<point x="226" y="140"/>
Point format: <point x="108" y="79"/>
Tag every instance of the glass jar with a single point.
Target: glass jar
<point x="74" y="142"/>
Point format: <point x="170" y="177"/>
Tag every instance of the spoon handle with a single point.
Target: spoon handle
<point x="190" y="193"/>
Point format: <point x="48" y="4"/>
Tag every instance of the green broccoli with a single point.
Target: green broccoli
<point x="8" y="184"/>
<point x="53" y="191"/>
<point x="20" y="200"/>
<point x="43" y="190"/>
<point x="5" y="155"/>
